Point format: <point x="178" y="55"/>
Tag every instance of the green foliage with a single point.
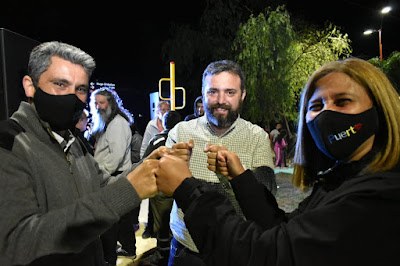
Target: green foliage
<point x="193" y="47"/>
<point x="391" y="67"/>
<point x="263" y="46"/>
<point x="277" y="61"/>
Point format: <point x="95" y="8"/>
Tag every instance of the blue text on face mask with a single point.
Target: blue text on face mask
<point x="345" y="134"/>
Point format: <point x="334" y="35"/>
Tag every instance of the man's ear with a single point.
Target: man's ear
<point x="27" y="83"/>
<point x="243" y="95"/>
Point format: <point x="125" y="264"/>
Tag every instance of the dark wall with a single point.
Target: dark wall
<point x="14" y="57"/>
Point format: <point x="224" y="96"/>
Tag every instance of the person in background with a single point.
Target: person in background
<point x="136" y="143"/>
<point x="280" y="145"/>
<point x="274" y="133"/>
<point x="54" y="200"/>
<point x="198" y="109"/>
<point x="153" y="127"/>
<point x="347" y="151"/>
<point x="161" y="205"/>
<point x="111" y="129"/>
<point x="223" y="89"/>
<point x="80" y="129"/>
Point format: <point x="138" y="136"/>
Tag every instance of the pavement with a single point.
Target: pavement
<point x="288" y="196"/>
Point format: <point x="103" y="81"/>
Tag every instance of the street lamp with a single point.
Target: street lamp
<point x="384" y="11"/>
<point x="368" y="32"/>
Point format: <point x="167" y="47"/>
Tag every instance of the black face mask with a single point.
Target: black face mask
<point x="62" y="112"/>
<point x="338" y="135"/>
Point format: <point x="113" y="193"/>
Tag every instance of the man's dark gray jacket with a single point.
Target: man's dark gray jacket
<point x="53" y="205"/>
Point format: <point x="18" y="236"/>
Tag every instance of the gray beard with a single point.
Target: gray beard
<point x="105" y="115"/>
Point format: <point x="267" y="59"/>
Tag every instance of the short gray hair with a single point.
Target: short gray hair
<point x="40" y="58"/>
<point x="217" y="67"/>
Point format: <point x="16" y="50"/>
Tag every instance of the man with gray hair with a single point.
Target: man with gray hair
<point x="54" y="199"/>
<point x="111" y="129"/>
<point x="223" y="95"/>
<point x="112" y="132"/>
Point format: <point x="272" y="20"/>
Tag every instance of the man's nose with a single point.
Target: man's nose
<point x="221" y="98"/>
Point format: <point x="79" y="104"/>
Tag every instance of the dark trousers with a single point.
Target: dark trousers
<point x="160" y="206"/>
<point x="182" y="256"/>
<point x="121" y="231"/>
<point x="109" y="242"/>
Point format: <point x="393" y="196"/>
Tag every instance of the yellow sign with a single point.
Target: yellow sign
<point x="171" y="79"/>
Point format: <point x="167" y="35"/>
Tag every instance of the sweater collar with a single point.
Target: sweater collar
<point x="27" y="117"/>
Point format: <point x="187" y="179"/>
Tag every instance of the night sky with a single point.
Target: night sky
<point x="126" y="38"/>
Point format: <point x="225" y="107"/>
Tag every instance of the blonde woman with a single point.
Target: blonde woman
<point x="347" y="150"/>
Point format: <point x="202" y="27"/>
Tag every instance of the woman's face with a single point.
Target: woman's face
<point x="338" y="92"/>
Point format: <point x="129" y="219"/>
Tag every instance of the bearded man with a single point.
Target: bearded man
<point x="111" y="129"/>
<point x="223" y="90"/>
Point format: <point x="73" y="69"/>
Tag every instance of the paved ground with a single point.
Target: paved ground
<point x="288" y="196"/>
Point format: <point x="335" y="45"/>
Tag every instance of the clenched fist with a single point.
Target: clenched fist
<point x="170" y="173"/>
<point x="143" y="178"/>
<point x="183" y="150"/>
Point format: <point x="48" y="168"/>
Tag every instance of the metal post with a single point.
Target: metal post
<point x="172" y="84"/>
<point x="172" y="87"/>
<point x="380" y="44"/>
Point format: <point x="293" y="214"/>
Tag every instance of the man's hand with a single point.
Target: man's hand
<point x="158" y="153"/>
<point x="222" y="161"/>
<point x="212" y="163"/>
<point x="183" y="150"/>
<point x="230" y="160"/>
<point x="170" y="174"/>
<point x="143" y="178"/>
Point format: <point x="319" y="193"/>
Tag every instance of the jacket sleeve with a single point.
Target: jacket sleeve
<point x="339" y="228"/>
<point x="149" y="133"/>
<point x="29" y="231"/>
<point x="118" y="137"/>
<point x="262" y="162"/>
<point x="222" y="236"/>
<point x="256" y="201"/>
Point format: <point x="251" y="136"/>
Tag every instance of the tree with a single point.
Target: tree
<point x="391" y="67"/>
<point x="194" y="46"/>
<point x="277" y="62"/>
<point x="263" y="47"/>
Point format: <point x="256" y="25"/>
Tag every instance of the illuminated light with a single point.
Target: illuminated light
<point x="386" y="9"/>
<point x="368" y="32"/>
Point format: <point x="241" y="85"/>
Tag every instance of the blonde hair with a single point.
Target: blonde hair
<point x="309" y="160"/>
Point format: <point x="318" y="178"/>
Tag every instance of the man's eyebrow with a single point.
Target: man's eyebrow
<point x="61" y="80"/>
<point x="84" y="86"/>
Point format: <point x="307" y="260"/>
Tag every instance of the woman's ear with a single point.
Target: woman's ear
<point x="27" y="83"/>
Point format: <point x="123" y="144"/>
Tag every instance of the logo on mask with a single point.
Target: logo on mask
<point x="341" y="145"/>
<point x="345" y="134"/>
